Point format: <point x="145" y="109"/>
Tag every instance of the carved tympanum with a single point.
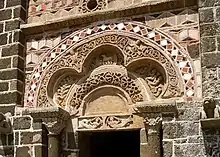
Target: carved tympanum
<point x="5" y="123"/>
<point x="107" y="78"/>
<point x="125" y="51"/>
<point x="118" y="122"/>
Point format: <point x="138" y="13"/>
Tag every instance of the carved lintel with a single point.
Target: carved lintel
<point x="54" y="118"/>
<point x="5" y="123"/>
<point x="105" y="122"/>
<point x="153" y="124"/>
<point x="155" y="106"/>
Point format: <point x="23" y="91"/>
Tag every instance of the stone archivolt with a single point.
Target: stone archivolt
<point x="155" y="70"/>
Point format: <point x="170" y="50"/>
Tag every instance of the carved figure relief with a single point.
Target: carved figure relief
<point x="118" y="122"/>
<point x="105" y="122"/>
<point x="5" y="123"/>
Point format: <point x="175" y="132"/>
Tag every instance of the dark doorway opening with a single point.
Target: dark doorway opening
<point x="110" y="144"/>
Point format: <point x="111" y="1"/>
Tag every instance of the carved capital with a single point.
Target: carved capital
<point x="5" y="123"/>
<point x="153" y="125"/>
<point x="54" y="118"/>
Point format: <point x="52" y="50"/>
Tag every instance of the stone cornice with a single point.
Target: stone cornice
<point x="156" y="106"/>
<point x="82" y="19"/>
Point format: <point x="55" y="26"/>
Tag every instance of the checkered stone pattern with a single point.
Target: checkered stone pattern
<point x="176" y="53"/>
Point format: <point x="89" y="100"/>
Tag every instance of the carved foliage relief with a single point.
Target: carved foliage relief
<point x="157" y="71"/>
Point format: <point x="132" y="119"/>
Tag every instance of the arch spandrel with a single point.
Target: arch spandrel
<point x="139" y="39"/>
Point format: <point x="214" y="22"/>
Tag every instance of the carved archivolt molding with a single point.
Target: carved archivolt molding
<point x="107" y="78"/>
<point x="105" y="122"/>
<point x="162" y="81"/>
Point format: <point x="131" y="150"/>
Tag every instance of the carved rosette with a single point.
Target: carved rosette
<point x="105" y="122"/>
<point x="92" y="5"/>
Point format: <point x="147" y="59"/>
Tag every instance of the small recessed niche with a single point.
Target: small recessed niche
<point x="92" y="4"/>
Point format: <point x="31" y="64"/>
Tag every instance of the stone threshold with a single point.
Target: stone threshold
<point x="87" y="18"/>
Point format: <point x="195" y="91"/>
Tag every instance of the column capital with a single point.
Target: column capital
<point x="54" y="118"/>
<point x="153" y="124"/>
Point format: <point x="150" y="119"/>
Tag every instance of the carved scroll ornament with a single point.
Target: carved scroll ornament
<point x="107" y="78"/>
<point x="132" y="49"/>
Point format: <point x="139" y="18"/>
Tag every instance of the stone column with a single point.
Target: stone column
<point x="152" y="145"/>
<point x="54" y="119"/>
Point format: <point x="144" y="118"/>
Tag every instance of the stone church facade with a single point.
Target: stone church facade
<point x="92" y="78"/>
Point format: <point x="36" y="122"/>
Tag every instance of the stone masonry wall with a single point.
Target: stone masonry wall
<point x="12" y="14"/>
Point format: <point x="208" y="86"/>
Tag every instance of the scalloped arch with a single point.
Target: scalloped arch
<point x="177" y="55"/>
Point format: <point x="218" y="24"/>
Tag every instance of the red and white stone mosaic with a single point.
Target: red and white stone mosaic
<point x="176" y="53"/>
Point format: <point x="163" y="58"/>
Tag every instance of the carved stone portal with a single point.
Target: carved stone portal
<point x="135" y="70"/>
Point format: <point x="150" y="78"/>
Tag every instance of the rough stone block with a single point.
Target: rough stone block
<point x="10" y="98"/>
<point x="189" y="150"/>
<point x="11" y="3"/>
<point x="208" y="44"/>
<point x="12" y="25"/>
<point x="3" y="86"/>
<point x="20" y="13"/>
<point x="208" y="29"/>
<point x="3" y="39"/>
<point x="11" y="74"/>
<point x="206" y="15"/>
<point x="188" y="114"/>
<point x="180" y="129"/>
<point x="5" y="14"/>
<point x="22" y="123"/>
<point x="206" y="3"/>
<point x="167" y="148"/>
<point x="15" y="49"/>
<point x="1" y="27"/>
<point x="18" y="62"/>
<point x="24" y="151"/>
<point x="211" y="59"/>
<point x="2" y="4"/>
<point x="5" y="63"/>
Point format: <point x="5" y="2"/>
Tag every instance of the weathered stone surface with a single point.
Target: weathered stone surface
<point x="167" y="148"/>
<point x="3" y="38"/>
<point x="208" y="44"/>
<point x="211" y="83"/>
<point x="5" y="63"/>
<point x="22" y="123"/>
<point x="195" y="139"/>
<point x="180" y="129"/>
<point x="206" y="15"/>
<point x="12" y="25"/>
<point x="188" y="114"/>
<point x="15" y="49"/>
<point x="23" y="151"/>
<point x="193" y="50"/>
<point x="189" y="150"/>
<point x="211" y="59"/>
<point x="3" y="86"/>
<point x="208" y="29"/>
<point x="10" y="97"/>
<point x="5" y="14"/>
<point x="11" y="74"/>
